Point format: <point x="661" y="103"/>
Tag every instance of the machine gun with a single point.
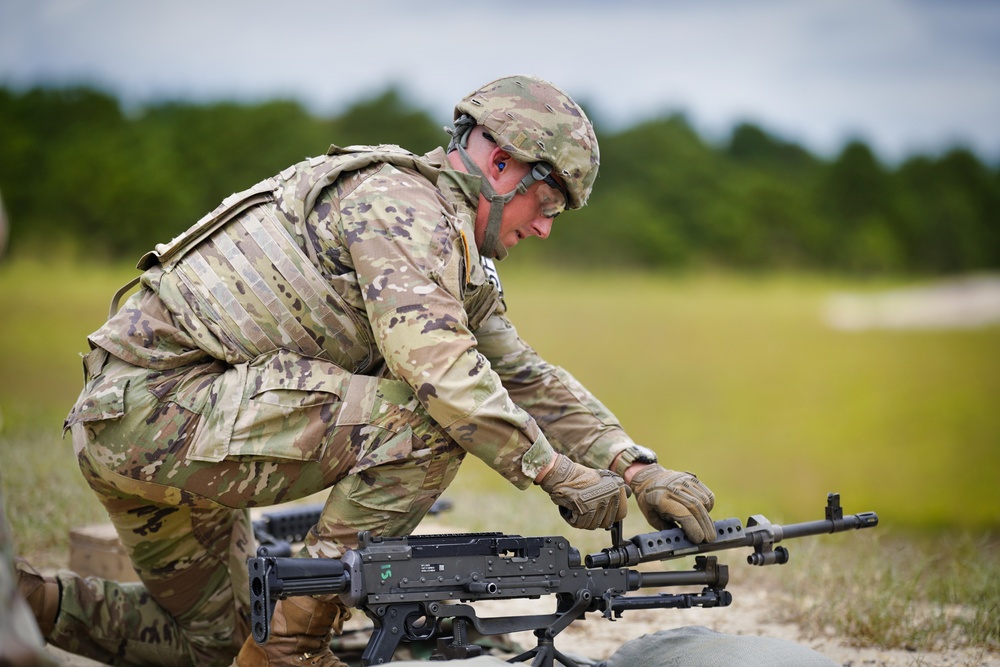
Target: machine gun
<point x="408" y="586"/>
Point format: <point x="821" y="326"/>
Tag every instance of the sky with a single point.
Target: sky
<point x="906" y="76"/>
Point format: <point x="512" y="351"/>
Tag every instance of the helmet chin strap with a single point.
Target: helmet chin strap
<point x="491" y="246"/>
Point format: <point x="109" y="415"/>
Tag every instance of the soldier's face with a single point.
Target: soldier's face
<point x="527" y="214"/>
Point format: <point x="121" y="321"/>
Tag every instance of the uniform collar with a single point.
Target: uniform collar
<point x="459" y="188"/>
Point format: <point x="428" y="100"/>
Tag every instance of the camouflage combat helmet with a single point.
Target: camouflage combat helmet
<point x="537" y="124"/>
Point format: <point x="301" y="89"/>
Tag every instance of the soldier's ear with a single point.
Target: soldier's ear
<point x="499" y="160"/>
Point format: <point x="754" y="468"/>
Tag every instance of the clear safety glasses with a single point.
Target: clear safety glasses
<point x="552" y="197"/>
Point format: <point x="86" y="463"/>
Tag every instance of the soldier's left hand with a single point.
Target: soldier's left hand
<point x="667" y="497"/>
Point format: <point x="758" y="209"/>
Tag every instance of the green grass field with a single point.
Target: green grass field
<point x="735" y="378"/>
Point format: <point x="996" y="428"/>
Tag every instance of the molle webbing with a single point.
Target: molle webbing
<point x="267" y="315"/>
<point x="241" y="271"/>
<point x="253" y="283"/>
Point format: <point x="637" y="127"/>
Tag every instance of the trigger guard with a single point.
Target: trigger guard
<point x="416" y="631"/>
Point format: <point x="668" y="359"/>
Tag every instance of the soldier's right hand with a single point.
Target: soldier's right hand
<point x="587" y="498"/>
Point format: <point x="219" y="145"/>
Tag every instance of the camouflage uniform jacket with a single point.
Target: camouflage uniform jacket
<point x="376" y="270"/>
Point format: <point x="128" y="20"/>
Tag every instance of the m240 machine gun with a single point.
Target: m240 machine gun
<point x="408" y="586"/>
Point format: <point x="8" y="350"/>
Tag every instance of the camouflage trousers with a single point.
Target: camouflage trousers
<point x="178" y="456"/>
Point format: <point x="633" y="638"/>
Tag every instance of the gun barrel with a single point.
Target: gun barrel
<point x="823" y="526"/>
<point x="673" y="543"/>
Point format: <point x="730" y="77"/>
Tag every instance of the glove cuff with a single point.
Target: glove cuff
<point x="558" y="473"/>
<point x="633" y="454"/>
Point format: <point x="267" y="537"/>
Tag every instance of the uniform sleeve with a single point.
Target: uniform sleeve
<point x="573" y="420"/>
<point x="409" y="258"/>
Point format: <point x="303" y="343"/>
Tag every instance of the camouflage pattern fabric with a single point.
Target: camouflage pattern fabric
<point x="182" y="520"/>
<point x="189" y="415"/>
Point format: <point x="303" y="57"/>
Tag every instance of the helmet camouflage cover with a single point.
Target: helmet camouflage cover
<point x="536" y="122"/>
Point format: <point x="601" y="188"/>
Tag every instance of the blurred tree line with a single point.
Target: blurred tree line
<point x="77" y="171"/>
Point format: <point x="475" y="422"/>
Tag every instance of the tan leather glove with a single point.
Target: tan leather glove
<point x="666" y="497"/>
<point x="587" y="498"/>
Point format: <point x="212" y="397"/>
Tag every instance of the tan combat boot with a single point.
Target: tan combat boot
<point x="301" y="628"/>
<point x="41" y="593"/>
